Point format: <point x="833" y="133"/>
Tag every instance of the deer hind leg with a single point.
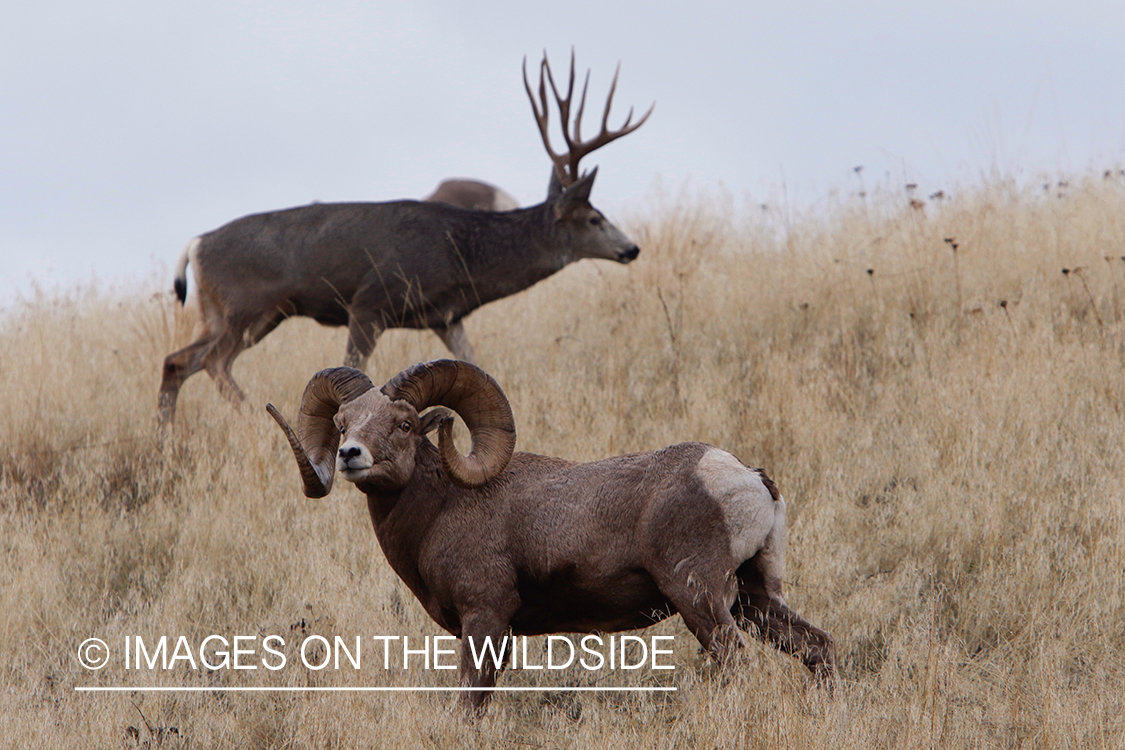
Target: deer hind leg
<point x="455" y="340"/>
<point x="218" y="362"/>
<point x="236" y="336"/>
<point x="178" y="367"/>
<point x="761" y="602"/>
<point x="214" y="351"/>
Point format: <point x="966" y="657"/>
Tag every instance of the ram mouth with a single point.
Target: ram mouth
<point x="350" y="468"/>
<point x="355" y="472"/>
<point x="355" y="476"/>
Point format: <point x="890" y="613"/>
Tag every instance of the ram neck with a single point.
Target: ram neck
<point x="404" y="519"/>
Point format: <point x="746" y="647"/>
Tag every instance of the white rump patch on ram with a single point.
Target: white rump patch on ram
<point x="755" y="521"/>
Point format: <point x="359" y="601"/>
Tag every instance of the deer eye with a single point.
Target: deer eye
<point x="405" y="427"/>
<point x="596" y="221"/>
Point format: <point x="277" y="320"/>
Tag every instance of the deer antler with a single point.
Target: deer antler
<point x="566" y="165"/>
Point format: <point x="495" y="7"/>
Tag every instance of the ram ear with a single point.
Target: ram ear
<point x="478" y="400"/>
<point x="431" y="419"/>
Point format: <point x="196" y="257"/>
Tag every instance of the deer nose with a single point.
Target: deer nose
<point x="630" y="254"/>
<point x="349" y="451"/>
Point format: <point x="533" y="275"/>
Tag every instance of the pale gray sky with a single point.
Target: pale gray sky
<point x="128" y="127"/>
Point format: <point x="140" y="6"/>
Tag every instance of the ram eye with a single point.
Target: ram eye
<point x="405" y="427"/>
<point x="343" y="430"/>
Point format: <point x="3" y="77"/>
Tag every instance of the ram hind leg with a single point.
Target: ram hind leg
<point x="703" y="593"/>
<point x="761" y="602"/>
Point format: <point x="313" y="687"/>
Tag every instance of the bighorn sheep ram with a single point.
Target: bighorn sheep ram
<point x="498" y="541"/>
<point x="402" y="264"/>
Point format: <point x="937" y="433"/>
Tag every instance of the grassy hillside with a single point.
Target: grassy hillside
<point x="940" y="403"/>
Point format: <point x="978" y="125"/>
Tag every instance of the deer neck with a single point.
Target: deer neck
<point x="515" y="250"/>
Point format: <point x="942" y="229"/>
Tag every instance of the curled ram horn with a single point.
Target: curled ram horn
<point x="478" y="399"/>
<point x="317" y="439"/>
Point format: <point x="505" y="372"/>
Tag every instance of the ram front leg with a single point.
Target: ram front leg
<point x="482" y="653"/>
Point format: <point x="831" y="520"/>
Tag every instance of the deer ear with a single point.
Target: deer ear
<point x="554" y="187"/>
<point x="575" y="196"/>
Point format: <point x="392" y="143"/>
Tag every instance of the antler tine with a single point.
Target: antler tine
<point x="543" y="102"/>
<point x="530" y="96"/>
<point x="542" y="116"/>
<point x="607" y="135"/>
<point x="563" y="104"/>
<point x="581" y="108"/>
<point x="609" y="100"/>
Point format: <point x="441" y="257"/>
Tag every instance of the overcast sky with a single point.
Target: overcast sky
<point x="128" y="127"/>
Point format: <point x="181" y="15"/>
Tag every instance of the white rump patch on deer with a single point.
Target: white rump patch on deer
<point x="752" y="515"/>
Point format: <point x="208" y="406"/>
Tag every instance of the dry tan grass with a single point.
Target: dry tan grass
<point x="954" y="469"/>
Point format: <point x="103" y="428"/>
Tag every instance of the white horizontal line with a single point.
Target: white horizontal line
<point x="283" y="689"/>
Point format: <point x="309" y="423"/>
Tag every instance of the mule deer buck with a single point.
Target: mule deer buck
<point x="400" y="264"/>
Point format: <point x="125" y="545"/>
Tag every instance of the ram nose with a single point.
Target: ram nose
<point x="352" y="457"/>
